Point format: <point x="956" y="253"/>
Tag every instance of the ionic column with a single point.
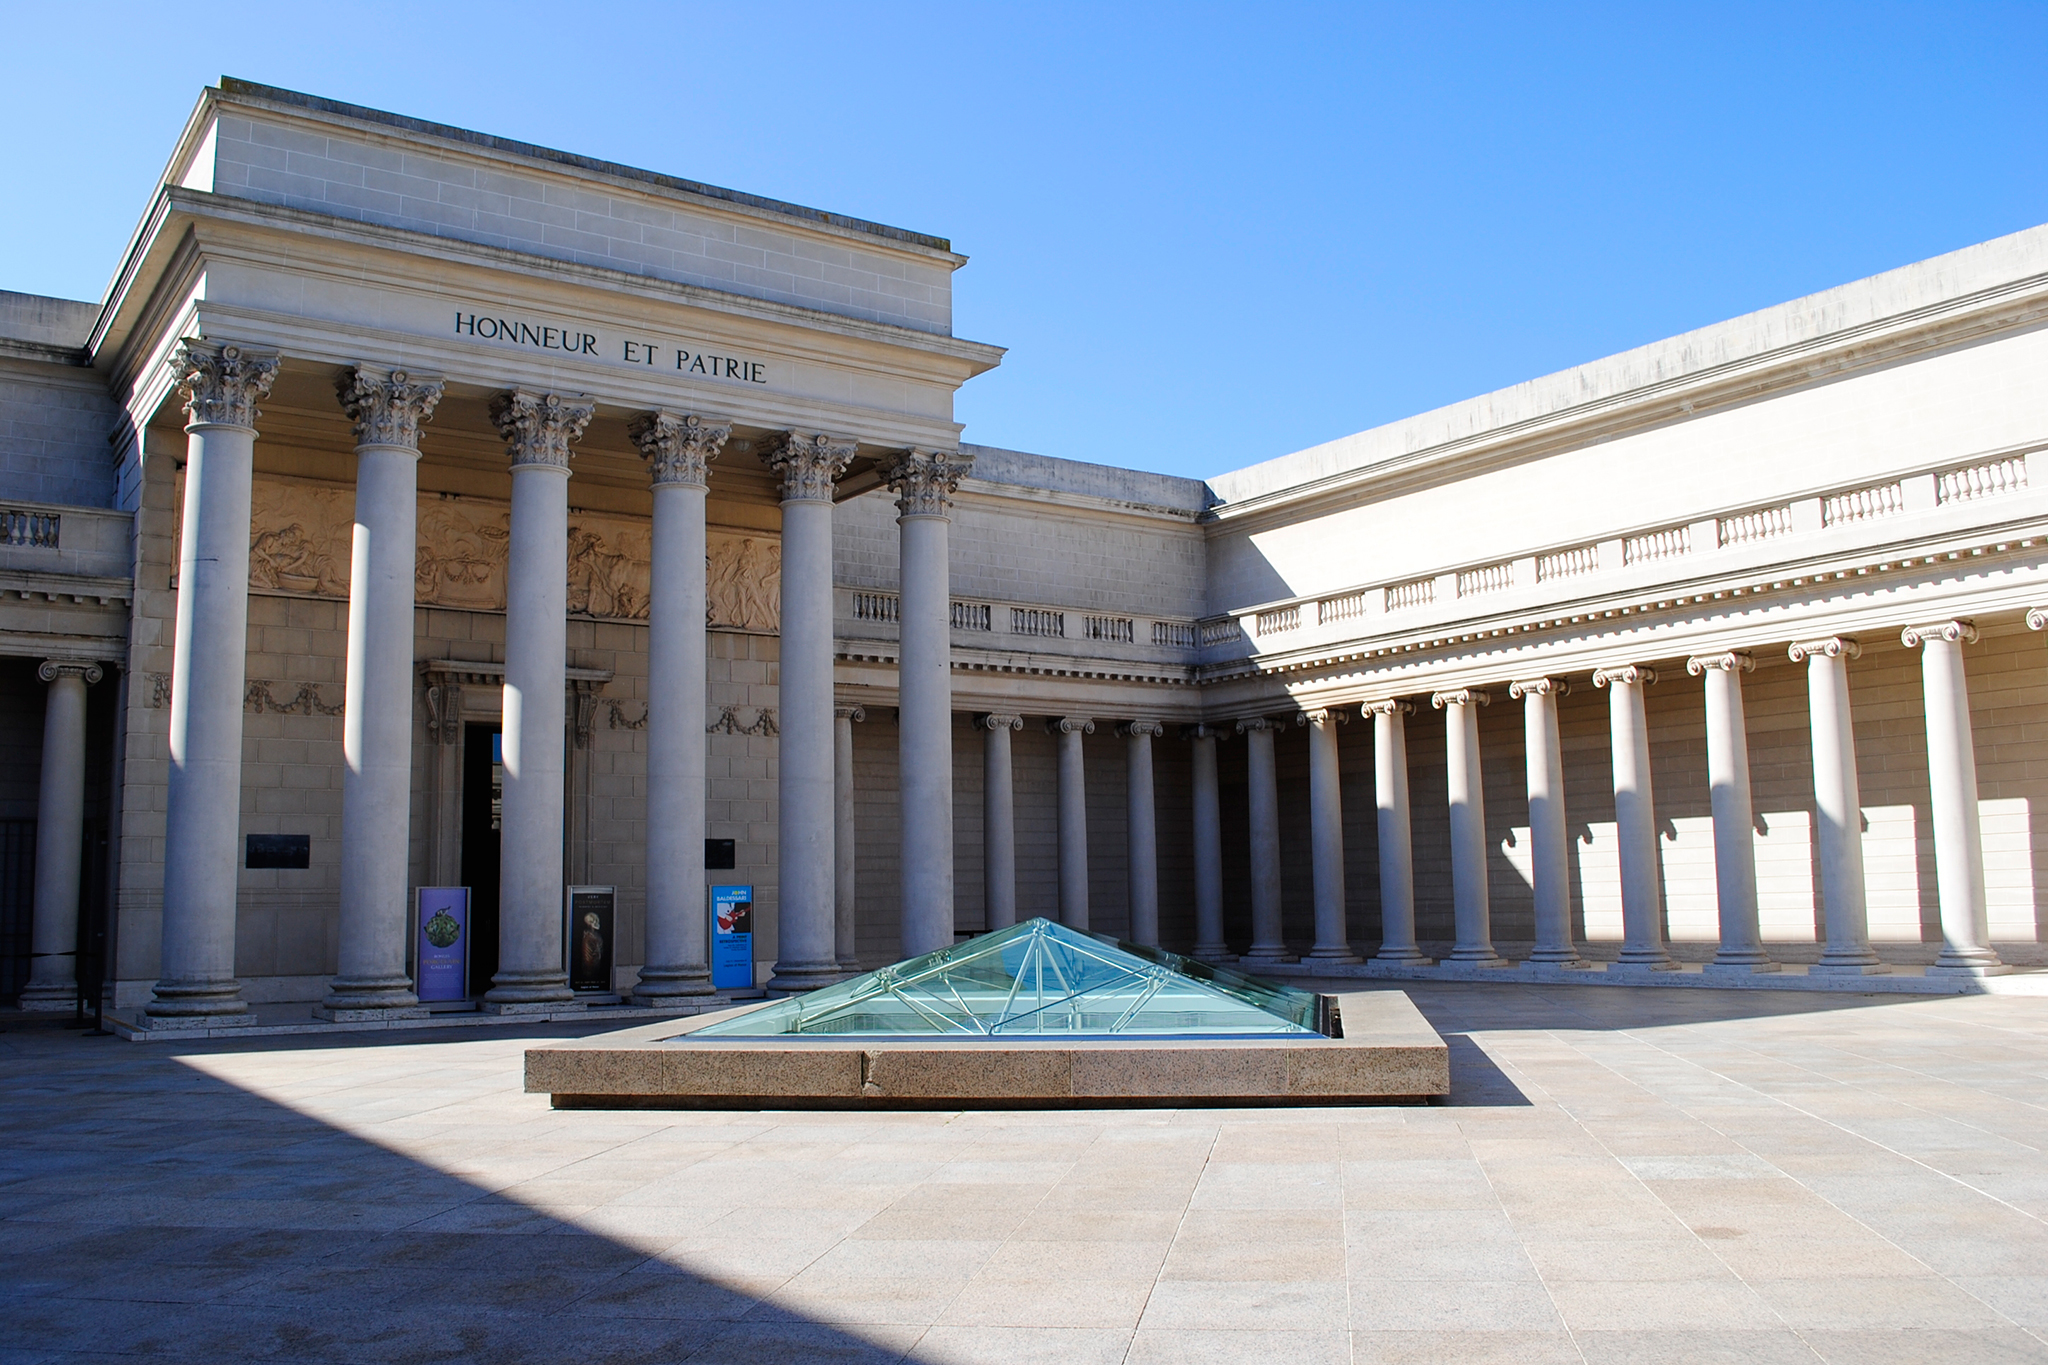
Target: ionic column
<point x="538" y="429"/>
<point x="845" y="868"/>
<point x="1837" y="808"/>
<point x="1397" y="851"/>
<point x="1141" y="822"/>
<point x="1210" y="945"/>
<point x="1548" y="847"/>
<point x="1635" y="820"/>
<point x="924" y="482"/>
<point x="806" y="832"/>
<point x="998" y="821"/>
<point x="679" y="449"/>
<point x="1742" y="940"/>
<point x="1952" y="781"/>
<point x="1073" y="816"/>
<point x="1326" y="837"/>
<point x="386" y="407"/>
<point x="1269" y="942"/>
<point x="1471" y="895"/>
<point x="203" y="799"/>
<point x="60" y="838"/>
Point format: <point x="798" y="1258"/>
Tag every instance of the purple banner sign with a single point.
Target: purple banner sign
<point x="443" y="972"/>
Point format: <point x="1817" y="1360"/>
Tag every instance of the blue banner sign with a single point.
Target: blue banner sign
<point x="732" y="937"/>
<point x="443" y="952"/>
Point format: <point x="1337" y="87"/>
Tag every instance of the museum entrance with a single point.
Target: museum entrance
<point x="483" y="789"/>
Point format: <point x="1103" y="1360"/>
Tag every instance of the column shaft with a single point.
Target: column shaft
<point x="845" y="867"/>
<point x="925" y="735"/>
<point x="1073" y="821"/>
<point x="1397" y="849"/>
<point x="1742" y="943"/>
<point x="678" y="449"/>
<point x="1471" y="894"/>
<point x="1838" y="809"/>
<point x="1326" y="838"/>
<point x="1549" y="847"/>
<point x="1141" y="824"/>
<point x="1269" y="942"/>
<point x="1952" y="783"/>
<point x="60" y="839"/>
<point x="1635" y="820"/>
<point x="1210" y="945"/>
<point x="203" y="797"/>
<point x="998" y="821"/>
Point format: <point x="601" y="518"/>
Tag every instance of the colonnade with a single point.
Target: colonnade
<point x="1958" y="846"/>
<point x="222" y="383"/>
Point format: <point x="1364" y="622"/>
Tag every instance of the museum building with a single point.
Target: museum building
<point x="421" y="509"/>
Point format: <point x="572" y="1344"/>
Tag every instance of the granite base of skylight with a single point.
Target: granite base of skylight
<point x="1388" y="1053"/>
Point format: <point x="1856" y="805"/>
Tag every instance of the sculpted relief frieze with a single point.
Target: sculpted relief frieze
<point x="299" y="539"/>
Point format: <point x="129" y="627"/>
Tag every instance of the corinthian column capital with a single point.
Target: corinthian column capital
<point x="221" y="382"/>
<point x="808" y="464"/>
<point x="538" y="427"/>
<point x="387" y="406"/>
<point x="924" y="481"/>
<point x="1628" y="675"/>
<point x="1955" y="632"/>
<point x="679" y="446"/>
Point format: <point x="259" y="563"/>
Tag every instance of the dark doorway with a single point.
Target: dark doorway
<point x="483" y="787"/>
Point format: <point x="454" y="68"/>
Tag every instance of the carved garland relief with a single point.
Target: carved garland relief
<point x="299" y="542"/>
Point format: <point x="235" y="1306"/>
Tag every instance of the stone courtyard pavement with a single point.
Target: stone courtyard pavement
<point x="1621" y="1175"/>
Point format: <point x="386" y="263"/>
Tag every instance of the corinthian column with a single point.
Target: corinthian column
<point x="807" y="920"/>
<point x="845" y="867"/>
<point x="1952" y="782"/>
<point x="1073" y="820"/>
<point x="1326" y="837"/>
<point x="1837" y="808"/>
<point x="60" y="838"/>
<point x="924" y="482"/>
<point x="1269" y="940"/>
<point x="1141" y="825"/>
<point x="386" y="406"/>
<point x="1471" y="892"/>
<point x="1210" y="945"/>
<point x="998" y="821"/>
<point x="1397" y="850"/>
<point x="1742" y="940"/>
<point x="1548" y="846"/>
<point x="538" y="429"/>
<point x="679" y="449"/>
<point x="1635" y="820"/>
<point x="203" y="800"/>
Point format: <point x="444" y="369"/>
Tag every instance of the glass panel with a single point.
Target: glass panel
<point x="1039" y="979"/>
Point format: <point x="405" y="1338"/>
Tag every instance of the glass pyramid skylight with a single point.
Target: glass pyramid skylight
<point x="1041" y="979"/>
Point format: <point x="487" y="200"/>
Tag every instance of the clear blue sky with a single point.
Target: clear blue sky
<point x="1208" y="235"/>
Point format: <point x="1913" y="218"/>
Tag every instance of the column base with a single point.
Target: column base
<point x="1945" y="965"/>
<point x="1741" y="965"/>
<point x="1476" y="957"/>
<point x="206" y="1001"/>
<point x="1567" y="958"/>
<point x="1403" y="955"/>
<point x="1218" y="954"/>
<point x="527" y="988"/>
<point x="1341" y="954"/>
<point x="660" y="985"/>
<point x="1257" y="954"/>
<point x="368" y="997"/>
<point x="798" y="978"/>
<point x="48" y="998"/>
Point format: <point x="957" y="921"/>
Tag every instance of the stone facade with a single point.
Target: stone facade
<point x="1859" y="465"/>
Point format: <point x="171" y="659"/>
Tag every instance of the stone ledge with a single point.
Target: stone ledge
<point x="1388" y="1053"/>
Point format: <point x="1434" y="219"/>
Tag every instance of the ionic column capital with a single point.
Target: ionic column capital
<point x="1150" y="729"/>
<point x="222" y="382"/>
<point x="1831" y="647"/>
<point x="1069" y="725"/>
<point x="1628" y="675"/>
<point x="1730" y="661"/>
<point x="1387" y="706"/>
<point x="1255" y="723"/>
<point x="808" y="464"/>
<point x="1956" y="632"/>
<point x="990" y="720"/>
<point x="54" y="669"/>
<point x="2037" y="618"/>
<point x="1463" y="696"/>
<point x="924" y="481"/>
<point x="1322" y="715"/>
<point x="679" y="446"/>
<point x="1204" y="730"/>
<point x="856" y="714"/>
<point x="387" y="406"/>
<point x="1539" y="687"/>
<point x="538" y="427"/>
